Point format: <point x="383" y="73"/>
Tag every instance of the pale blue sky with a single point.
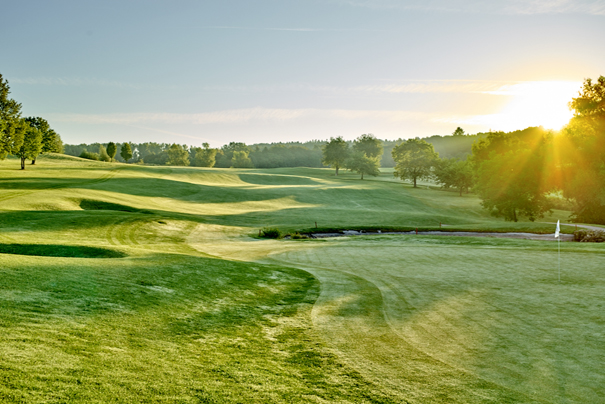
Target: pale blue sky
<point x="262" y="71"/>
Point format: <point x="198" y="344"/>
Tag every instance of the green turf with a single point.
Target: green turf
<point x="123" y="283"/>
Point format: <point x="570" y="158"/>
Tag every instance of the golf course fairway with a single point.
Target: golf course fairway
<point x="125" y="283"/>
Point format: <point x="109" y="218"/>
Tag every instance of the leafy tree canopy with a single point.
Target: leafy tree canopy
<point x="111" y="150"/>
<point x="414" y="159"/>
<point x="511" y="184"/>
<point x="368" y="145"/>
<point x="335" y="153"/>
<point x="241" y="160"/>
<point x="12" y="127"/>
<point x="178" y="155"/>
<point x="363" y="164"/>
<point x="31" y="146"/>
<point x="126" y="152"/>
<point x="459" y="132"/>
<point x="582" y="151"/>
<point x="454" y="173"/>
<point x="206" y="156"/>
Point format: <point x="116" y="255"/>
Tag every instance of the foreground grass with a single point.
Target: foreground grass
<point x="164" y="328"/>
<point x="475" y="319"/>
<point x="142" y="284"/>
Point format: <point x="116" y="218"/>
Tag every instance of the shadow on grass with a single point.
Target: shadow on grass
<point x="58" y="250"/>
<point x="91" y="204"/>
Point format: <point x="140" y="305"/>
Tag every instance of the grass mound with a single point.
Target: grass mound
<point x="56" y="250"/>
<point x="90" y="204"/>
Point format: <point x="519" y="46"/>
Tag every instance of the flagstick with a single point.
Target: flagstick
<point x="559" y="259"/>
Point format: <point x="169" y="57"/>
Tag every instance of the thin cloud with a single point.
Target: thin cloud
<point x="411" y="86"/>
<point x="294" y="29"/>
<point x="168" y="132"/>
<point x="238" y="116"/>
<point x="522" y="7"/>
<point x="78" y="82"/>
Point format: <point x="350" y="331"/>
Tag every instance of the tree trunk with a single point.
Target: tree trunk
<point x="414" y="182"/>
<point x="362" y="175"/>
<point x="33" y="162"/>
<point x="23" y="163"/>
<point x="515" y="215"/>
<point x="460" y="191"/>
<point x="337" y="171"/>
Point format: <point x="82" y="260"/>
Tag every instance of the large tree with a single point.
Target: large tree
<point x="582" y="152"/>
<point x="126" y="152"/>
<point x="511" y="184"/>
<point x="12" y="127"/>
<point x="51" y="141"/>
<point x="335" y="153"/>
<point x="511" y="170"/>
<point x="31" y="146"/>
<point x="414" y="159"/>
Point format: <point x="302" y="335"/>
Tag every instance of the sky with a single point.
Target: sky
<point x="190" y="72"/>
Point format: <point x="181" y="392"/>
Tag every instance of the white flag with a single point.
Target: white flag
<point x="558" y="230"/>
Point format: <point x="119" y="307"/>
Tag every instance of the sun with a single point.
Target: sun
<point x="536" y="103"/>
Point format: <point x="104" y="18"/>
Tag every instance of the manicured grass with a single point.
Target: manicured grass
<point x="194" y="309"/>
<point x="481" y="318"/>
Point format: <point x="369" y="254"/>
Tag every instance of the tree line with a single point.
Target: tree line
<point x="262" y="155"/>
<point x="23" y="137"/>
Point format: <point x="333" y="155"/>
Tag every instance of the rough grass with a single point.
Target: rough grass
<point x="196" y="310"/>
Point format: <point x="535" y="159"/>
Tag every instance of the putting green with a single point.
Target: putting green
<point x="480" y="319"/>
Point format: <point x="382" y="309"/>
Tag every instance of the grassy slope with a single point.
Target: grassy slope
<point x="189" y="316"/>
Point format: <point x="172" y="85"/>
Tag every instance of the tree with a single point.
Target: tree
<point x="126" y="152"/>
<point x="177" y="155"/>
<point x="335" y="153"/>
<point x="32" y="145"/>
<point x="12" y="127"/>
<point x="454" y="173"/>
<point x="103" y="155"/>
<point x="368" y="145"/>
<point x="582" y="153"/>
<point x="458" y="132"/>
<point x="205" y="157"/>
<point x="111" y="150"/>
<point x="241" y="160"/>
<point x="51" y="141"/>
<point x="363" y="164"/>
<point x="224" y="158"/>
<point x="510" y="184"/>
<point x="414" y="159"/>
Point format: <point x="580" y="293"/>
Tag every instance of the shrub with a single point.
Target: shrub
<point x="270" y="232"/>
<point x="589" y="236"/>
<point x="298" y="236"/>
<point x="89" y="155"/>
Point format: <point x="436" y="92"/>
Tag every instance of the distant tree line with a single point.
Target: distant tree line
<point x="25" y="138"/>
<point x="262" y="155"/>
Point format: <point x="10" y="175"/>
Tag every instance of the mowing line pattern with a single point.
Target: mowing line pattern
<point x="489" y="321"/>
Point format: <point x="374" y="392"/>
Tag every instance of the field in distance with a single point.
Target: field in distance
<point x="122" y="283"/>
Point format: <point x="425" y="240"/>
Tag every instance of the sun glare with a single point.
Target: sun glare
<point x="535" y="103"/>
